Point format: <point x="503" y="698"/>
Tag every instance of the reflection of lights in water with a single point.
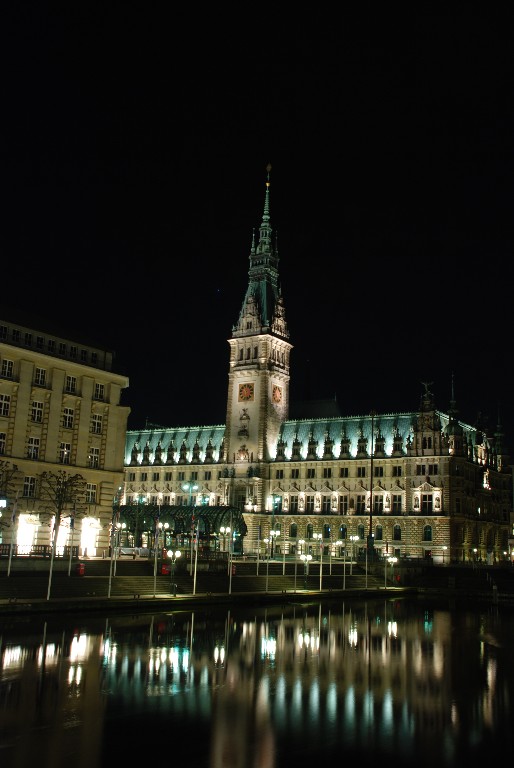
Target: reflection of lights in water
<point x="305" y="640"/>
<point x="352" y="636"/>
<point x="268" y="646"/>
<point x="219" y="655"/>
<point x="51" y="654"/>
<point x="79" y="648"/>
<point x="12" y="657"/>
<point x="392" y="628"/>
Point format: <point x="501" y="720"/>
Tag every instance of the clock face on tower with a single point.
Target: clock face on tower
<point x="245" y="392"/>
<point x="277" y="394"/>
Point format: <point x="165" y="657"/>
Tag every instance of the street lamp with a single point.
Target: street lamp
<point x="173" y="555"/>
<point x="301" y="542"/>
<point x="391" y="561"/>
<point x="353" y="539"/>
<point x="337" y="544"/>
<point x="273" y="535"/>
<point x="306" y="560"/>
<point x="117" y="543"/>
<point x="444" y="548"/>
<point x="318" y="537"/>
<point x="266" y="541"/>
<point x="190" y="487"/>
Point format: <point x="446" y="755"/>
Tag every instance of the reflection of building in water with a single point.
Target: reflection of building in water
<point x="47" y="687"/>
<point x="241" y="735"/>
<point x="365" y="677"/>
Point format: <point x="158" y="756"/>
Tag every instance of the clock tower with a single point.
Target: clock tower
<point x="258" y="389"/>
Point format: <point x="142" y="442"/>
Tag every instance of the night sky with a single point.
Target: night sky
<point x="134" y="151"/>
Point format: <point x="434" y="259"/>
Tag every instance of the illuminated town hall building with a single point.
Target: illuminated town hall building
<point x="417" y="484"/>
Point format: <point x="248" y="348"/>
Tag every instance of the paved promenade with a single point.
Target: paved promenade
<point x="134" y="586"/>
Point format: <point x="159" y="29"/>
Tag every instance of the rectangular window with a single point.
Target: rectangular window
<point x="62" y="348"/>
<point x="397" y="471"/>
<point x="33" y="448"/>
<point x="28" y="339"/>
<point x="378" y="471"/>
<point x="361" y="505"/>
<point x="37" y="411"/>
<point x="325" y="504"/>
<point x="96" y="423"/>
<point x="327" y="472"/>
<point x="194" y="477"/>
<point x="309" y="503"/>
<point x="361" y="471"/>
<point x="343" y="505"/>
<point x="40" y="377"/>
<point x="64" y="453"/>
<point x="40" y="342"/>
<point x="2" y="443"/>
<point x="433" y="469"/>
<point x="94" y="358"/>
<point x="73" y="353"/>
<point x="279" y="474"/>
<point x="15" y="335"/>
<point x="293" y="505"/>
<point x="168" y="477"/>
<point x="420" y="469"/>
<point x="343" y="472"/>
<point x="94" y="458"/>
<point x="426" y="503"/>
<point x="397" y="504"/>
<point x="295" y="473"/>
<point x="91" y="493"/>
<point x="7" y="369"/>
<point x="181" y="476"/>
<point x="207" y="475"/>
<point x="378" y="504"/>
<point x="83" y="356"/>
<point x="68" y="416"/>
<point x="5" y="405"/>
<point x="71" y="385"/>
<point x="99" y="391"/>
<point x="51" y="346"/>
<point x="132" y="477"/>
<point x="3" y="332"/>
<point x="311" y="473"/>
<point x="155" y="476"/>
<point x="144" y="477"/>
<point x="29" y="487"/>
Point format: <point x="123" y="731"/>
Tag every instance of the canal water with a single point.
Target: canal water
<point x="394" y="682"/>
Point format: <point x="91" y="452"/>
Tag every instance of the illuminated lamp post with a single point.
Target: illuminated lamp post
<point x="319" y="537"/>
<point x="190" y="487"/>
<point x="266" y="541"/>
<point x="338" y="544"/>
<point x="391" y="561"/>
<point x="301" y="542"/>
<point x="353" y="539"/>
<point x="173" y="555"/>
<point x="273" y="534"/>
<point x="306" y="560"/>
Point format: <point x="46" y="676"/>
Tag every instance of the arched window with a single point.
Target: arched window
<point x="309" y="531"/>
<point x="343" y="532"/>
<point x="360" y="532"/>
<point x="326" y="531"/>
<point x="378" y="533"/>
<point x="397" y="533"/>
<point x="293" y="531"/>
<point x="427" y="533"/>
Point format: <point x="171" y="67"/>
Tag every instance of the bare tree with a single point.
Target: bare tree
<point x="8" y="475"/>
<point x="59" y="494"/>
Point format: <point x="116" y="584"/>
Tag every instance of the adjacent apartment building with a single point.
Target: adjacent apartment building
<point x="60" y="411"/>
